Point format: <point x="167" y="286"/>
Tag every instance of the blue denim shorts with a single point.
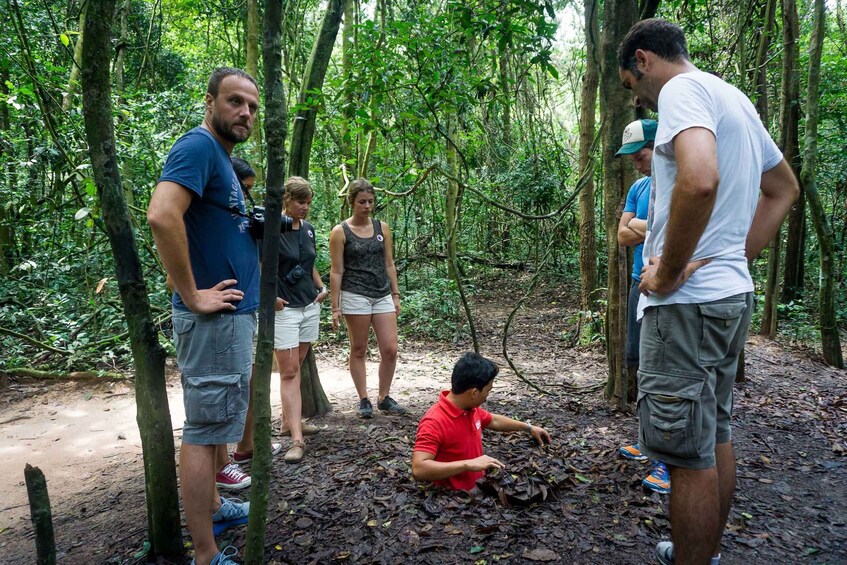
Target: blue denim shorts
<point x="214" y="354"/>
<point x="689" y="356"/>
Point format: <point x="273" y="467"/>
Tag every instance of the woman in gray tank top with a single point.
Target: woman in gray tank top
<point x="363" y="285"/>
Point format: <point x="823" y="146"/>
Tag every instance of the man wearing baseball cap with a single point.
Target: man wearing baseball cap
<point x="637" y="146"/>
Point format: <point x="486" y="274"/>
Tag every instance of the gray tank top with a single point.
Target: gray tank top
<point x="364" y="263"/>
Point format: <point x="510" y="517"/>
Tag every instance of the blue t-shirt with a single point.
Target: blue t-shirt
<point x="638" y="202"/>
<point x="219" y="244"/>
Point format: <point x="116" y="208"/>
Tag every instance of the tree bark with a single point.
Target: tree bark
<point x="587" y="118"/>
<point x="121" y="48"/>
<point x="314" y="400"/>
<point x="348" y="44"/>
<point x="41" y="515"/>
<point x="276" y="117"/>
<point x="830" y="338"/>
<point x="257" y="158"/>
<point x="73" y="81"/>
<point x="310" y="97"/>
<point x="617" y="111"/>
<point x="769" y="317"/>
<point x="154" y="420"/>
<point x="792" y="285"/>
<point x="7" y="176"/>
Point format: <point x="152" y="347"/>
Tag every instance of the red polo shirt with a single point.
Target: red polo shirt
<point x="453" y="434"/>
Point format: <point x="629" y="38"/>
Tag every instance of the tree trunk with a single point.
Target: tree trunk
<point x="73" y="81"/>
<point x="348" y="44"/>
<point x="792" y="285"/>
<point x="276" y="118"/>
<point x="830" y="339"/>
<point x="587" y="118"/>
<point x="310" y="97"/>
<point x="7" y="177"/>
<point x="257" y="159"/>
<point x="314" y="399"/>
<point x="616" y="108"/>
<point x="121" y="48"/>
<point x="154" y="420"/>
<point x="41" y="515"/>
<point x="769" y="317"/>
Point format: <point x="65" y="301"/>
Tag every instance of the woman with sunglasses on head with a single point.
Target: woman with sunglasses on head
<point x="364" y="287"/>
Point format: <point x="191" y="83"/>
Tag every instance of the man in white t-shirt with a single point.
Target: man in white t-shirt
<point x="721" y="190"/>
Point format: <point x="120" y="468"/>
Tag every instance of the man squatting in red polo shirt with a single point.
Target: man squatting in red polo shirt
<point x="448" y="448"/>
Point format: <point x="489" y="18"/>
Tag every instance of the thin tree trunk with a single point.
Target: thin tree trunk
<point x="616" y="107"/>
<point x="73" y="81"/>
<point x="830" y="338"/>
<point x="276" y="118"/>
<point x="348" y="44"/>
<point x="154" y="420"/>
<point x="257" y="158"/>
<point x="7" y="177"/>
<point x="121" y="48"/>
<point x="314" y="399"/>
<point x="303" y="128"/>
<point x="769" y="317"/>
<point x="587" y="119"/>
<point x="792" y="285"/>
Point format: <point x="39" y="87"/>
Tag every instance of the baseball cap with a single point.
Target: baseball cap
<point x="636" y="135"/>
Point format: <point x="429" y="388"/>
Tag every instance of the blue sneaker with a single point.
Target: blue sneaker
<point x="223" y="558"/>
<point x="659" y="479"/>
<point x="632" y="452"/>
<point x="664" y="552"/>
<point x="231" y="509"/>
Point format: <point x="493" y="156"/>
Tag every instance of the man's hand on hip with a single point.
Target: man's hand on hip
<point x="654" y="280"/>
<point x="215" y="299"/>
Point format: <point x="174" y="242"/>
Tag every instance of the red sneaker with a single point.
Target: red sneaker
<point x="232" y="477"/>
<point x="242" y="458"/>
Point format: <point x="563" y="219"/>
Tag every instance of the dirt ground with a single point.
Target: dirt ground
<point x="352" y="499"/>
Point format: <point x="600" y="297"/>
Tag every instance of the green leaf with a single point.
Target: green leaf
<point x="582" y="479"/>
<point x="477" y="549"/>
<point x="63" y="37"/>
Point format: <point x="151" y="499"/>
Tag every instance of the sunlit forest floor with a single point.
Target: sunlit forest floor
<point x="353" y="500"/>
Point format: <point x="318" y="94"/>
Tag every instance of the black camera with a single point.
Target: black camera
<point x="256" y="223"/>
<point x="294" y="275"/>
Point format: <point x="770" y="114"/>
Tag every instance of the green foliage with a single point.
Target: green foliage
<point x="433" y="311"/>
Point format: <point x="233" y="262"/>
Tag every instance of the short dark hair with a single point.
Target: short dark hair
<point x="472" y="370"/>
<point x="242" y="168"/>
<point x="219" y="74"/>
<point x="662" y="37"/>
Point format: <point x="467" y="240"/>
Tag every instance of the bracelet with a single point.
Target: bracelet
<point x="528" y="428"/>
<point x="397" y="294"/>
<point x="322" y="290"/>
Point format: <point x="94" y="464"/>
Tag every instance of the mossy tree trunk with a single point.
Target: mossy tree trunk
<point x="154" y="419"/>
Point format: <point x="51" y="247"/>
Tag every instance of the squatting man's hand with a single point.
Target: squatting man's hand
<point x="484" y="462"/>
<point x="652" y="284"/>
<point x="540" y="435"/>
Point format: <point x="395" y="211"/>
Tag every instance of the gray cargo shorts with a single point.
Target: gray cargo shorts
<point x="214" y="354"/>
<point x="689" y="356"/>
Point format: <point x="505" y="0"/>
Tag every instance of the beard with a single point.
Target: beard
<point x="226" y="131"/>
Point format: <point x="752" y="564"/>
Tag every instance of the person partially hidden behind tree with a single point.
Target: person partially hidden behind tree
<point x="448" y="448"/>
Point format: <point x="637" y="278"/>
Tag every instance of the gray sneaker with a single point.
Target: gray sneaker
<point x="231" y="509"/>
<point x="390" y="405"/>
<point x="366" y="409"/>
<point x="223" y="558"/>
<point x="664" y="552"/>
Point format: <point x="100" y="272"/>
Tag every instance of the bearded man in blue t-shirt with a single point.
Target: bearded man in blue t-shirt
<point x="196" y="216"/>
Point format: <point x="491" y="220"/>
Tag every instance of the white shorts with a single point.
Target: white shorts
<point x="293" y="326"/>
<point x="352" y="303"/>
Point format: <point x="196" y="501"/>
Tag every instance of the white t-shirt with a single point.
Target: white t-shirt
<point x="745" y="150"/>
